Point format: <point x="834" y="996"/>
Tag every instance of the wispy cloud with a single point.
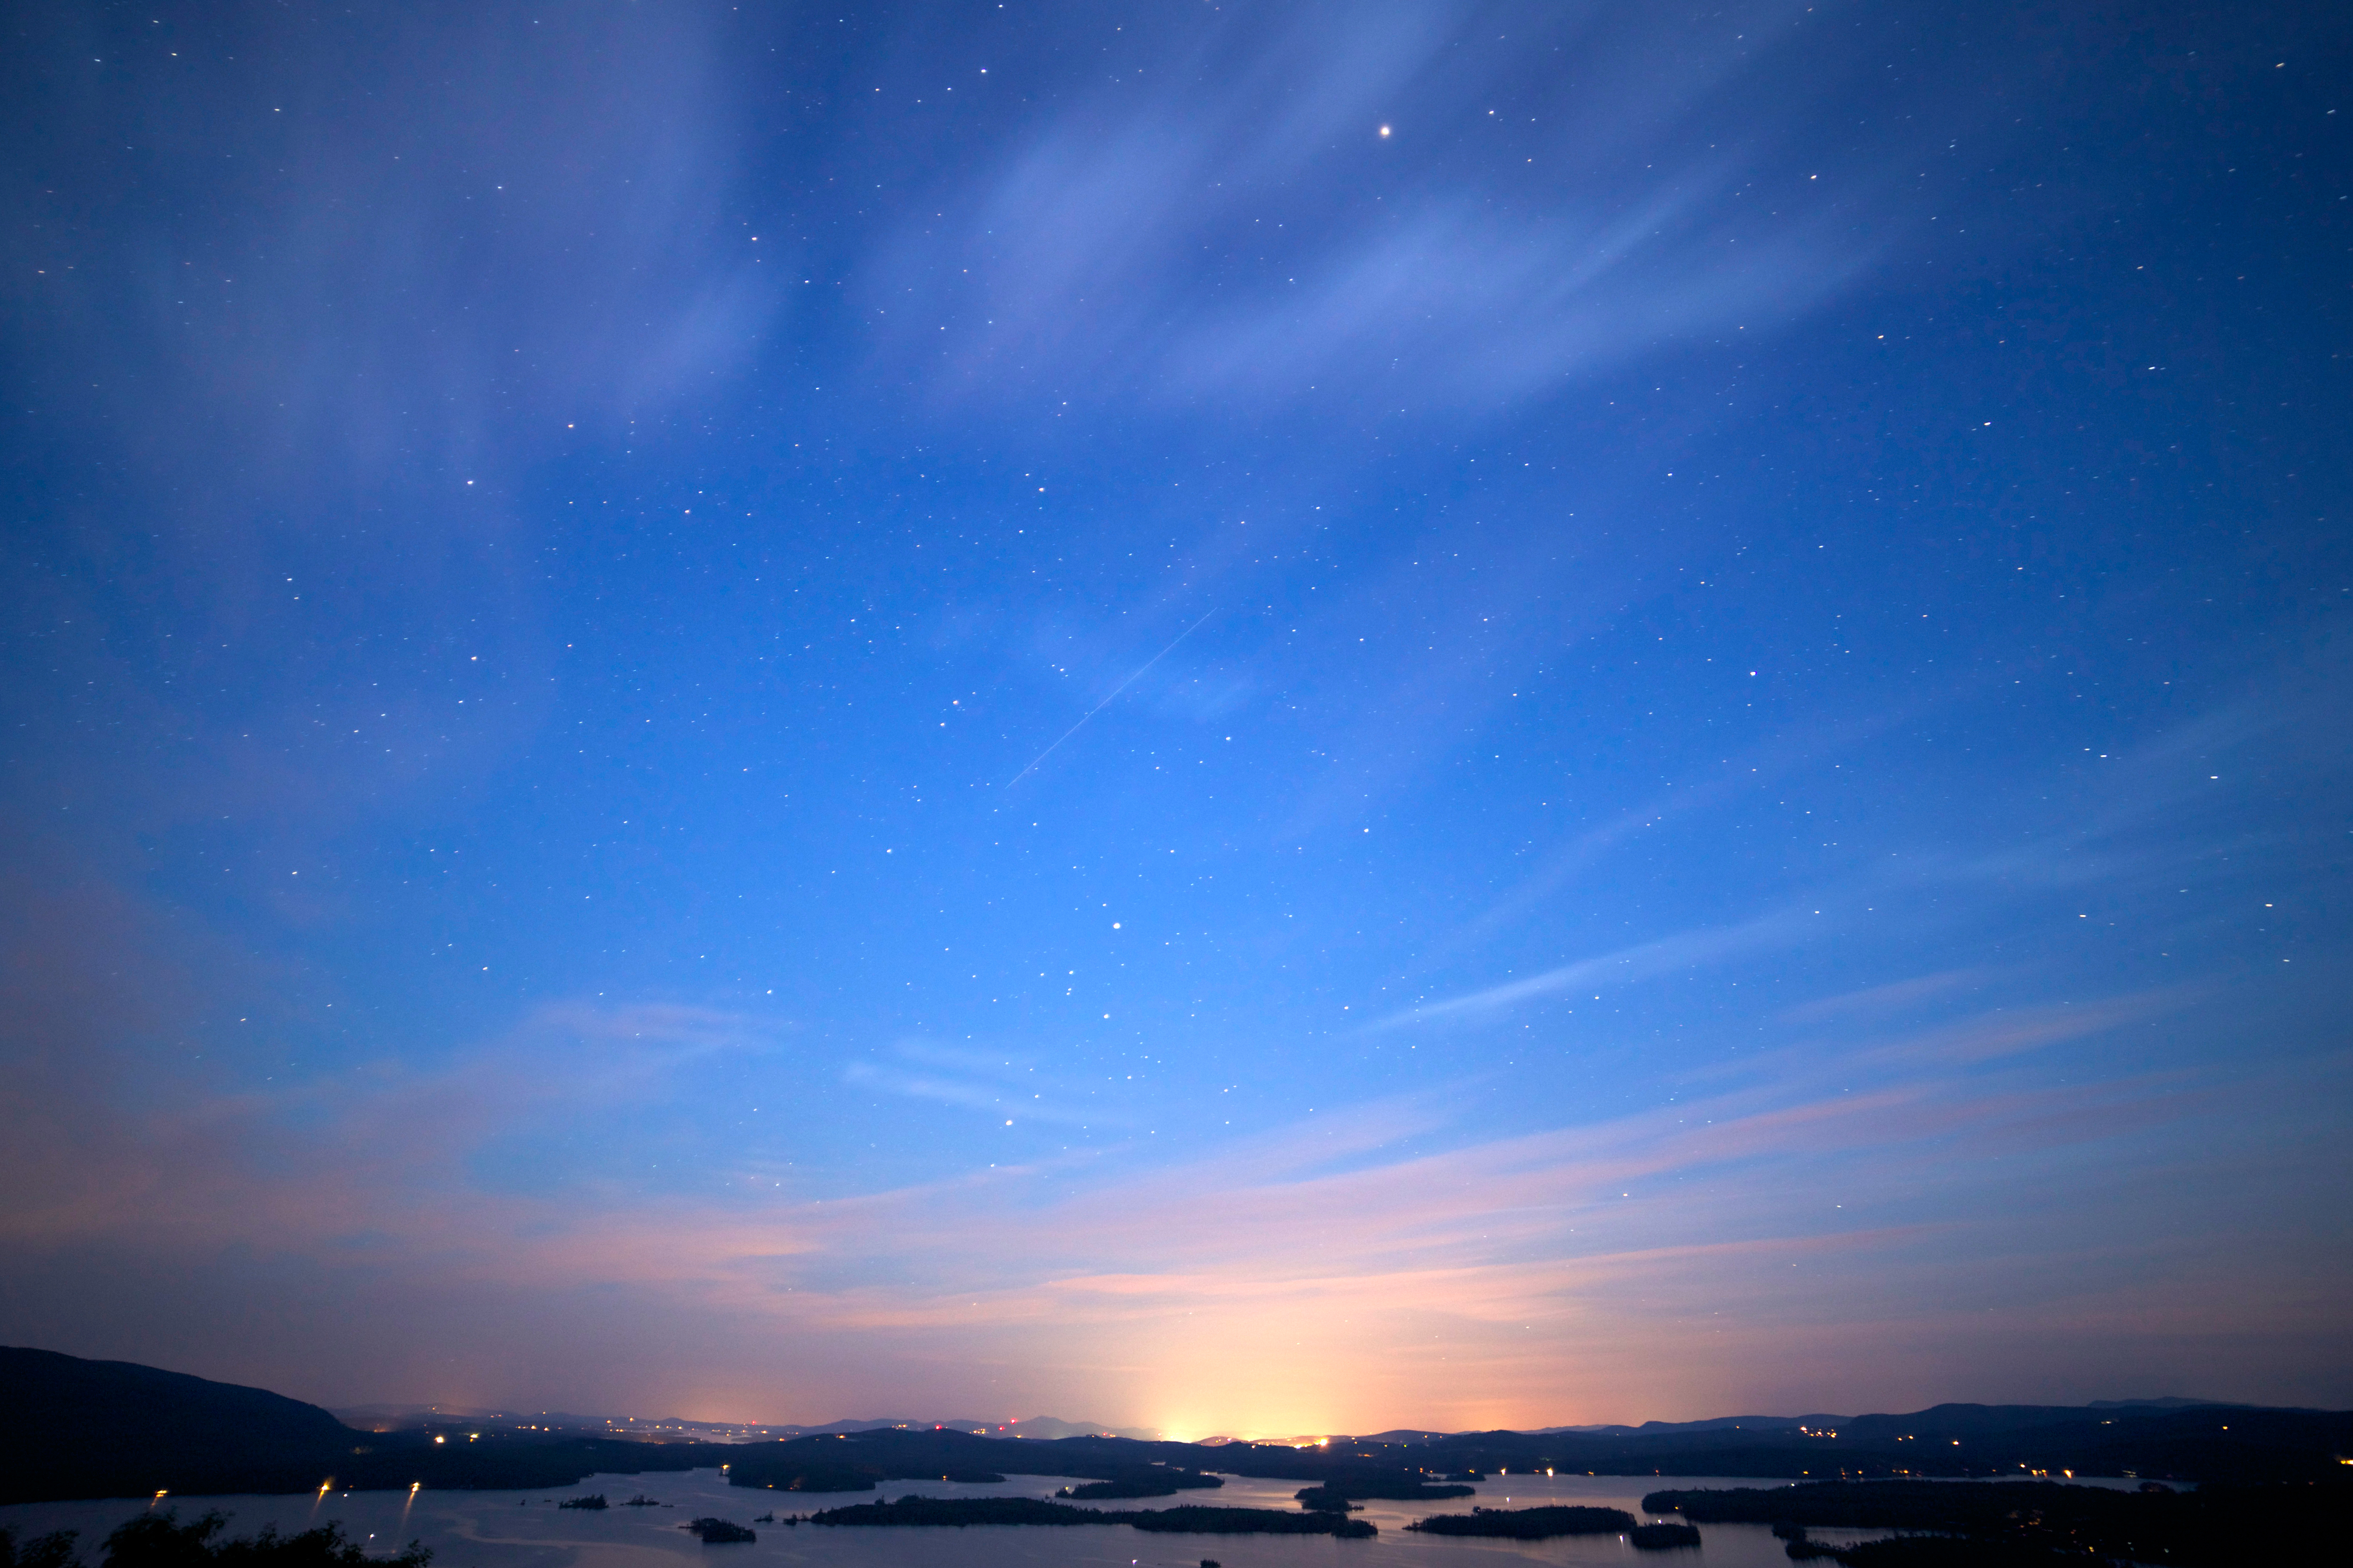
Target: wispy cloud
<point x="1877" y="1001"/>
<point x="2005" y="1034"/>
<point x="1625" y="966"/>
<point x="595" y="149"/>
<point x="1352" y="259"/>
<point x="999" y="1085"/>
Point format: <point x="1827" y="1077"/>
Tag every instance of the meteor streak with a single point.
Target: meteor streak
<point x="1115" y="690"/>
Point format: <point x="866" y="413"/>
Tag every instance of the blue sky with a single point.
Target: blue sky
<point x="1256" y="719"/>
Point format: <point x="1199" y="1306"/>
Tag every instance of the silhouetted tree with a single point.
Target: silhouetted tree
<point x="55" y="1550"/>
<point x="161" y="1541"/>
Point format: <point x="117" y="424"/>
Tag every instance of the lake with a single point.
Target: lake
<point x="525" y="1529"/>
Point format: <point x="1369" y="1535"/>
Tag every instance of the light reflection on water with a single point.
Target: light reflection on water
<point x="525" y="1529"/>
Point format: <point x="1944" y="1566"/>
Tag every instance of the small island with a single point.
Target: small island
<point x="593" y="1500"/>
<point x="1662" y="1537"/>
<point x="1154" y="1482"/>
<point x="720" y="1531"/>
<point x="912" y="1511"/>
<point x="1196" y="1520"/>
<point x="1389" y="1486"/>
<point x="1529" y="1523"/>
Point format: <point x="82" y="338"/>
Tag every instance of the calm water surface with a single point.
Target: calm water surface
<point x="524" y="1530"/>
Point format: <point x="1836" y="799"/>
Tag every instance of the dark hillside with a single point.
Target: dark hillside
<point x="75" y="1429"/>
<point x="63" y="1402"/>
<point x="97" y="1428"/>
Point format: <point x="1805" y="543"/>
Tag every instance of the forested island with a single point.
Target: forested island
<point x="1188" y="1520"/>
<point x="1529" y="1523"/>
<point x="1396" y="1486"/>
<point x="1662" y="1537"/>
<point x="1196" y="1520"/>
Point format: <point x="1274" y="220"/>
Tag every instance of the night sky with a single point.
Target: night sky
<point x="1267" y="718"/>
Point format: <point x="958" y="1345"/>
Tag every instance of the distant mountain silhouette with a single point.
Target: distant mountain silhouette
<point x="78" y="1428"/>
<point x="1047" y="1427"/>
<point x="666" y="1428"/>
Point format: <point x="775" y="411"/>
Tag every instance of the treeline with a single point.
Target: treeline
<point x="161" y="1541"/>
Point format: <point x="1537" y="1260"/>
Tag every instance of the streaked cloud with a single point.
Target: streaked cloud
<point x="1626" y="966"/>
<point x="1268" y="241"/>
